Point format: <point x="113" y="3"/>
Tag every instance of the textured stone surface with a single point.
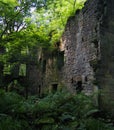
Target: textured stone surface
<point x="54" y="70"/>
<point x="105" y="71"/>
<point x="82" y="46"/>
<point x="89" y="51"/>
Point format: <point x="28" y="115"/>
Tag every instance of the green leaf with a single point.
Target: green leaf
<point x="66" y="117"/>
<point x="90" y="112"/>
<point x="46" y="120"/>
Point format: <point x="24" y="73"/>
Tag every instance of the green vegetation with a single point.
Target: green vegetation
<point x="28" y="27"/>
<point x="54" y="17"/>
<point x="59" y="111"/>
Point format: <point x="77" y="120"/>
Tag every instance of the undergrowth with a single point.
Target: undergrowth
<point x="59" y="111"/>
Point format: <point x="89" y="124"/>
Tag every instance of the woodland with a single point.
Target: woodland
<point x="25" y="27"/>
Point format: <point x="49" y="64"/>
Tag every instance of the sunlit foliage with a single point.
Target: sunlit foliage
<point x="27" y="25"/>
<point x="55" y="15"/>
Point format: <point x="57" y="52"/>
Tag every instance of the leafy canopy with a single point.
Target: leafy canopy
<point x="55" y="15"/>
<point x="26" y="25"/>
<point x="48" y="18"/>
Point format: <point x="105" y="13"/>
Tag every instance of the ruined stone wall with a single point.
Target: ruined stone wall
<point x="54" y="70"/>
<point x="105" y="71"/>
<point x="82" y="48"/>
<point x="89" y="51"/>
